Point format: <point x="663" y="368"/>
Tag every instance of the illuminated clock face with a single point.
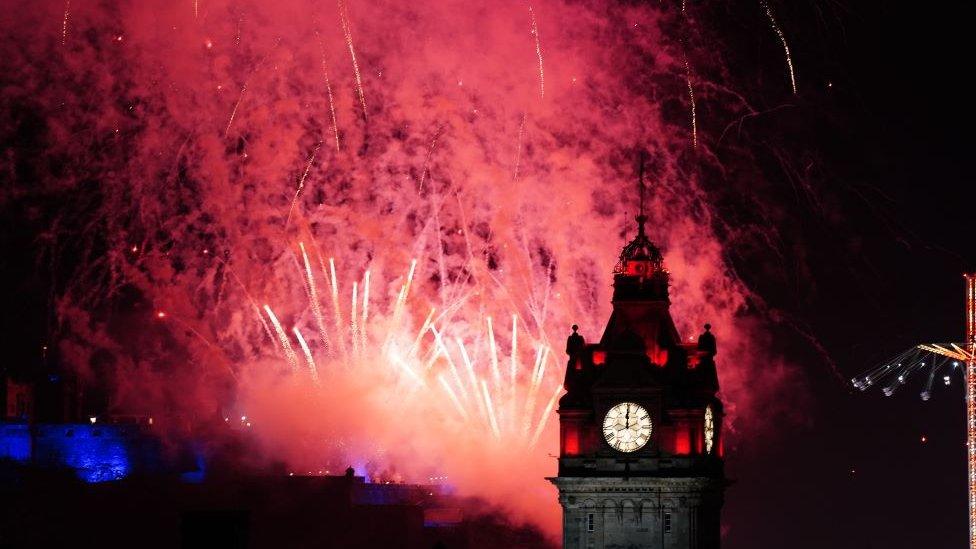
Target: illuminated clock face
<point x="709" y="429"/>
<point x="627" y="427"/>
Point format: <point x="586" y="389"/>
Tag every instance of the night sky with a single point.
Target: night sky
<point x="883" y="272"/>
<point x="877" y="233"/>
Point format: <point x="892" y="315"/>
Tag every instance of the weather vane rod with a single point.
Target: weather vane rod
<point x="641" y="218"/>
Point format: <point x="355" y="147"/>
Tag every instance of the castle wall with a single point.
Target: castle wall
<point x="95" y="452"/>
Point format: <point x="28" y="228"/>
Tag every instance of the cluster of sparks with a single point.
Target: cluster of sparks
<point x="485" y="362"/>
<point x="498" y="394"/>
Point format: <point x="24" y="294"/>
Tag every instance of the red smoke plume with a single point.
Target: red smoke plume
<point x="190" y="147"/>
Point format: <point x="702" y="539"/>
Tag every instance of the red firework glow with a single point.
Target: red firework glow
<point x="399" y="296"/>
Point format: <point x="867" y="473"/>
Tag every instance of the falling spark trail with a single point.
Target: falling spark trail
<point x="399" y="303"/>
<point x="514" y="368"/>
<point x="495" y="372"/>
<point x="283" y="338"/>
<point x="441" y="261"/>
<point x="545" y="417"/>
<point x="314" y="299"/>
<point x="518" y="149"/>
<point x="250" y="298"/>
<point x="64" y="22"/>
<point x="434" y="355"/>
<point x="544" y="313"/>
<point x="233" y="113"/>
<point x="362" y="325"/>
<point x="301" y="182"/>
<point x="537" y="373"/>
<point x="336" y="309"/>
<point x="332" y="277"/>
<point x="196" y="9"/>
<point x="328" y="91"/>
<point x="430" y="152"/>
<point x="404" y="292"/>
<point x="782" y="38"/>
<point x="354" y="318"/>
<point x="691" y="99"/>
<point x="423" y="330"/>
<point x="237" y="30"/>
<point x="308" y="355"/>
<point x="538" y="52"/>
<point x="452" y="396"/>
<point x="405" y="367"/>
<point x="468" y="365"/>
<point x="450" y="362"/>
<point x="194" y="331"/>
<point x="344" y="19"/>
<point x="491" y="411"/>
<point x="469" y="368"/>
<point x="264" y="323"/>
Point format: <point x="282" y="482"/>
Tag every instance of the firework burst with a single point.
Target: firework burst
<point x="407" y="299"/>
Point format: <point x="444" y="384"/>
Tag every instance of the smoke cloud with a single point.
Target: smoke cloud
<point x="184" y="150"/>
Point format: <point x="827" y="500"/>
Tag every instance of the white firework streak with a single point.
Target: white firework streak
<point x="545" y="417"/>
<point x="691" y="99"/>
<point x="344" y="19"/>
<point x="495" y="372"/>
<point x="452" y="396"/>
<point x="314" y="300"/>
<point x="518" y="149"/>
<point x="782" y="38"/>
<point x="283" y="338"/>
<point x="328" y="90"/>
<point x="337" y="310"/>
<point x="491" y="411"/>
<point x="233" y="113"/>
<point x="354" y="319"/>
<point x="514" y="365"/>
<point x="538" y="52"/>
<point x="469" y="368"/>
<point x="537" y="373"/>
<point x="313" y="370"/>
<point x="301" y="182"/>
<point x="64" y="22"/>
<point x="430" y="152"/>
<point x="450" y="362"/>
<point x="362" y="325"/>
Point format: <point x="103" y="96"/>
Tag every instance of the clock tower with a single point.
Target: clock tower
<point x="640" y="461"/>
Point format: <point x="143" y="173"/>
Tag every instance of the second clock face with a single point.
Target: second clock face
<point x="627" y="427"/>
<point x="709" y="429"/>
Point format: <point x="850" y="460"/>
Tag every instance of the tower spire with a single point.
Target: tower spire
<point x="641" y="217"/>
<point x="640" y="274"/>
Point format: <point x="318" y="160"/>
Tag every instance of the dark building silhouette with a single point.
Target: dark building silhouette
<point x="640" y="462"/>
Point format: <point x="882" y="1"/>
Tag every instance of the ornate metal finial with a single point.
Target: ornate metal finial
<point x="640" y="248"/>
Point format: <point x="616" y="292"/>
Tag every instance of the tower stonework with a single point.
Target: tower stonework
<point x="640" y="462"/>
